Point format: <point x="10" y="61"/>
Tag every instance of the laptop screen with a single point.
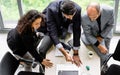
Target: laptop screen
<point x="68" y="73"/>
<point x="67" y="69"/>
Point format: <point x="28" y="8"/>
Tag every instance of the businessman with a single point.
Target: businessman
<point x="63" y="17"/>
<point x="97" y="24"/>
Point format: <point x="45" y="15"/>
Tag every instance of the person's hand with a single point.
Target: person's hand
<point x="102" y="49"/>
<point x="77" y="60"/>
<point x="68" y="58"/>
<point x="99" y="39"/>
<point x="47" y="63"/>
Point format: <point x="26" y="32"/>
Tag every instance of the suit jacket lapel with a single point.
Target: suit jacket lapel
<point x="95" y="25"/>
<point x="103" y="18"/>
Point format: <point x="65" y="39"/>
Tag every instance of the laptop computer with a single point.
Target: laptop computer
<point x="67" y="69"/>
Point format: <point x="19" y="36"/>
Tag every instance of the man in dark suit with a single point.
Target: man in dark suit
<point x="62" y="16"/>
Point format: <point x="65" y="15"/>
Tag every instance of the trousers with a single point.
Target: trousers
<point x="105" y="42"/>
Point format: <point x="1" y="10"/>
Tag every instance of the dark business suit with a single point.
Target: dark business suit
<point x="57" y="24"/>
<point x="21" y="44"/>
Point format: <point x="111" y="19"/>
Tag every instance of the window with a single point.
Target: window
<point x="32" y="4"/>
<point x="84" y="3"/>
<point x="9" y="12"/>
<point x="118" y="20"/>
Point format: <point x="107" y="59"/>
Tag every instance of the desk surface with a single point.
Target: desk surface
<point x="93" y="63"/>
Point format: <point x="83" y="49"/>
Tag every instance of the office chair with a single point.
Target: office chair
<point x="114" y="69"/>
<point x="9" y="64"/>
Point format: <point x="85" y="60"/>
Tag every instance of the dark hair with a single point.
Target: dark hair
<point x="68" y="7"/>
<point x="25" y="22"/>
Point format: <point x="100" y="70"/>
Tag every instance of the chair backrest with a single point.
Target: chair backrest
<point x="9" y="64"/>
<point x="116" y="54"/>
<point x="113" y="70"/>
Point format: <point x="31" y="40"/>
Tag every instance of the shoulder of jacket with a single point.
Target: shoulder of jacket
<point x="84" y="16"/>
<point x="106" y="8"/>
<point x="54" y="6"/>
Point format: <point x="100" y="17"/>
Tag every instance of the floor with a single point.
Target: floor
<point x="4" y="48"/>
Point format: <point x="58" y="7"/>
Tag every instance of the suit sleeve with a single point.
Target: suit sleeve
<point x="30" y="45"/>
<point x="109" y="25"/>
<point x="52" y="27"/>
<point x="77" y="29"/>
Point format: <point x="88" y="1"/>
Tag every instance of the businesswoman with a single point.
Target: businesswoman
<point x="22" y="39"/>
